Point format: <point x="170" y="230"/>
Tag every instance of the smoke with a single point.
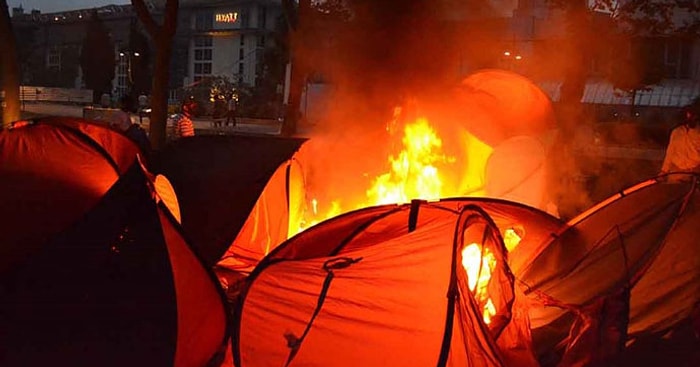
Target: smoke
<point x="409" y="54"/>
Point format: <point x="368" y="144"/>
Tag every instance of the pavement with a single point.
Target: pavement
<point x="205" y="125"/>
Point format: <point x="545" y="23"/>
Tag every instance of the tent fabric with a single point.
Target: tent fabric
<point x="35" y="196"/>
<point x="113" y="282"/>
<point x="218" y="181"/>
<point x="274" y="218"/>
<point x="401" y="296"/>
<point x="642" y="238"/>
<point x="495" y="105"/>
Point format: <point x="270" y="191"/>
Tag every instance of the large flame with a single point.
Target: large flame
<point x="414" y="173"/>
<point x="417" y="169"/>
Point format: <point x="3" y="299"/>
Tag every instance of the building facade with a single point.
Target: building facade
<point x="226" y="39"/>
<point x="214" y="38"/>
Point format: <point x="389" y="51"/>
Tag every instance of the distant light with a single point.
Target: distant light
<point x="507" y="53"/>
<point x="518" y="57"/>
<point x="137" y="54"/>
<point x="55" y="19"/>
<point x="121" y="54"/>
<point x="80" y="16"/>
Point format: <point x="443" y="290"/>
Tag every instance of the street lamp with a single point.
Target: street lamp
<point x="129" y="55"/>
<point x="510" y="57"/>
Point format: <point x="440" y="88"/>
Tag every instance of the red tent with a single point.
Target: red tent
<point x="389" y="285"/>
<point x="642" y="242"/>
<point x="94" y="270"/>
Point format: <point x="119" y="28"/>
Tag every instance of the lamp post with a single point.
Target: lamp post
<point x="511" y="58"/>
<point x="128" y="55"/>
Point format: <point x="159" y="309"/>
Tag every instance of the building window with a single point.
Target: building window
<point x="122" y="75"/>
<point x="241" y="68"/>
<point x="203" y="41"/>
<point x="245" y="18"/>
<point x="203" y="56"/>
<point x="53" y="58"/>
<point x="242" y="40"/>
<point x="261" y="41"/>
<point x="202" y="68"/>
<point x="241" y="54"/>
<point x="676" y="58"/>
<point x="262" y="17"/>
<point x="204" y="21"/>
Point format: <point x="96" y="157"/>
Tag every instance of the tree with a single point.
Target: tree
<point x="97" y="58"/>
<point x="298" y="19"/>
<point x="636" y="70"/>
<point x="10" y="67"/>
<point x="141" y="75"/>
<point x="162" y="37"/>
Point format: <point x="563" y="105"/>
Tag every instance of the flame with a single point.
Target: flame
<point x="479" y="270"/>
<point x="417" y="169"/>
<point x="413" y="174"/>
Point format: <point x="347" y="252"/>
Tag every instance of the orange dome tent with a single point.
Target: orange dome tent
<point x="94" y="270"/>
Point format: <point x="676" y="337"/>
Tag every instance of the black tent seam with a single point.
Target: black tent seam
<point x="452" y="293"/>
<point x="413" y="214"/>
<point x="362" y="227"/>
<point x="328" y="266"/>
<point x="95" y="145"/>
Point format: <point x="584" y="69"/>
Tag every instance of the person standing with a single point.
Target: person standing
<point x="143" y="105"/>
<point x="231" y="112"/>
<point x="683" y="150"/>
<point x="182" y="123"/>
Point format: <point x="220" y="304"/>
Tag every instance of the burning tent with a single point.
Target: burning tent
<point x="241" y="196"/>
<point x="435" y="279"/>
<point x="412" y="285"/>
<point x="94" y="269"/>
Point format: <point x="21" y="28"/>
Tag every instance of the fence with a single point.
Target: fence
<point x="49" y="94"/>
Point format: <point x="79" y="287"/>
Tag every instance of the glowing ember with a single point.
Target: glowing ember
<point x="479" y="270"/>
<point x="512" y="238"/>
<point x="413" y="172"/>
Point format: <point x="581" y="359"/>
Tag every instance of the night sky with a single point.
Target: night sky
<point x="48" y="6"/>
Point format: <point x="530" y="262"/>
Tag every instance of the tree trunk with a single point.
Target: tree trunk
<point x="576" y="72"/>
<point x="299" y="25"/>
<point x="159" y="93"/>
<point x="293" y="108"/>
<point x="10" y="67"/>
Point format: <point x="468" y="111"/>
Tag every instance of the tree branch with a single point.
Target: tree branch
<point x="291" y="14"/>
<point x="145" y="17"/>
<point x="170" y="23"/>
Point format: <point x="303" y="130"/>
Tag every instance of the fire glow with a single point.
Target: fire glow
<point x="479" y="267"/>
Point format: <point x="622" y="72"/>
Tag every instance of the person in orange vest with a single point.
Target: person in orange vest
<point x="182" y="122"/>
